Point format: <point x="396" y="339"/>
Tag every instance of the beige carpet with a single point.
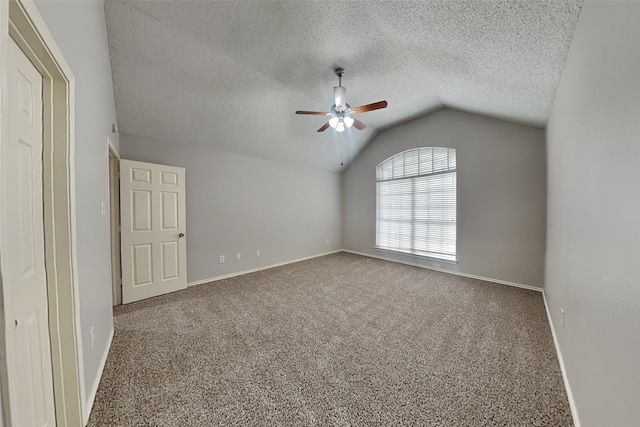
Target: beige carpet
<point x="336" y="340"/>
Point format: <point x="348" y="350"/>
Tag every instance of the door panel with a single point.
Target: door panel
<point x="141" y="214"/>
<point x="142" y="265"/>
<point x="169" y="178"/>
<point x="141" y="175"/>
<point x="29" y="345"/>
<point x="169" y="211"/>
<point x="170" y="260"/>
<point x="25" y="276"/>
<point x="26" y="214"/>
<point x="153" y="216"/>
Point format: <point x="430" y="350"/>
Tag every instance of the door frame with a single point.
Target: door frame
<point x="20" y="20"/>
<point x="113" y="190"/>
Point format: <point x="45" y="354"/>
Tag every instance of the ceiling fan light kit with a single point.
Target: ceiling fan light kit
<point x="341" y="123"/>
<point x="341" y="111"/>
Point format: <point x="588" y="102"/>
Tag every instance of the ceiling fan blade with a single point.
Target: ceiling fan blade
<point x="324" y="127"/>
<point x="358" y="124"/>
<point x="315" y="113"/>
<point x="369" y="107"/>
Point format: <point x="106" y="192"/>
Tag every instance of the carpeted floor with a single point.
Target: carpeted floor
<point x="336" y="340"/>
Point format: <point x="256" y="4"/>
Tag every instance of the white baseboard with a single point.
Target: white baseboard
<point x="457" y="273"/>
<point x="567" y="386"/>
<point x="253" y="270"/>
<point x="94" y="389"/>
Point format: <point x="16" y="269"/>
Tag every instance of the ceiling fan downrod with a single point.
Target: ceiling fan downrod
<point x="339" y="72"/>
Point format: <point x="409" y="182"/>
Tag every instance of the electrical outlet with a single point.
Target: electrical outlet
<point x="221" y="259"/>
<point x="92" y="337"/>
<point x="103" y="208"/>
<point x="258" y="252"/>
<point x="326" y="241"/>
<point x="562" y="317"/>
<point x="238" y="255"/>
<point x="436" y="265"/>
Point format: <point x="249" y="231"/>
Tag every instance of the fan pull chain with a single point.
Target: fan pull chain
<point x="342" y="155"/>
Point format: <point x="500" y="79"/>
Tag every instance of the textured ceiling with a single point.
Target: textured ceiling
<point x="230" y="74"/>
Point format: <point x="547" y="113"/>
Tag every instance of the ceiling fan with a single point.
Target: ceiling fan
<point x="341" y="111"/>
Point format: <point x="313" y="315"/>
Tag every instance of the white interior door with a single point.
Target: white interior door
<point x="23" y="235"/>
<point x="153" y="228"/>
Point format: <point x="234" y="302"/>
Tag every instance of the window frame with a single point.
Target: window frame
<point x="412" y="176"/>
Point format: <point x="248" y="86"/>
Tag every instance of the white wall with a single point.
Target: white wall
<point x="241" y="204"/>
<point x="501" y="193"/>
<point x="80" y="32"/>
<point x="593" y="243"/>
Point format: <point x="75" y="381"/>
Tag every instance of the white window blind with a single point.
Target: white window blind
<point x="416" y="203"/>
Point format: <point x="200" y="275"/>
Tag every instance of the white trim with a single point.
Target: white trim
<point x="111" y="147"/>
<point x="253" y="270"/>
<point x="21" y="18"/>
<point x="5" y="383"/>
<point x="457" y="273"/>
<point x="113" y="222"/>
<point x="94" y="389"/>
<point x="565" y="378"/>
<point x="73" y="233"/>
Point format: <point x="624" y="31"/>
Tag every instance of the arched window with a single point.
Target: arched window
<point x="416" y="203"/>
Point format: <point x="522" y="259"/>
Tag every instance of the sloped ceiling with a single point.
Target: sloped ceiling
<point x="230" y="74"/>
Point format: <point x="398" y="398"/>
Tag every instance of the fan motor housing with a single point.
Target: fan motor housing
<point x="340" y="94"/>
<point x="336" y="112"/>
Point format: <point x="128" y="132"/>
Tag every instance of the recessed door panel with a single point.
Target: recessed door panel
<point x="34" y="371"/>
<point x="25" y="203"/>
<point x="141" y="212"/>
<point x="141" y="175"/>
<point x="142" y="265"/>
<point x="169" y="178"/>
<point x="169" y="210"/>
<point x="25" y="97"/>
<point x="170" y="260"/>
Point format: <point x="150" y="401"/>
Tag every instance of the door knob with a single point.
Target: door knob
<point x="181" y="235"/>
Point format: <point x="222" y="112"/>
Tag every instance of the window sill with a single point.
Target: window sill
<point x="429" y="258"/>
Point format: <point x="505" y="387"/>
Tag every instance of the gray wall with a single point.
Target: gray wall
<point x="241" y="204"/>
<point x="80" y="32"/>
<point x="501" y="193"/>
<point x="593" y="243"/>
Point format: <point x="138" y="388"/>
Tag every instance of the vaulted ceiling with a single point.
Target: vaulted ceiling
<point x="229" y="75"/>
